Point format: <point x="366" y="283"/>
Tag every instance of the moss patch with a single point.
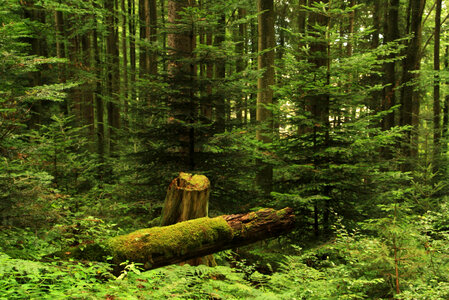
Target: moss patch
<point x="191" y="182"/>
<point x="170" y="241"/>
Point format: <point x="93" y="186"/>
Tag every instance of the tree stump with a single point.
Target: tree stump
<point x="188" y="198"/>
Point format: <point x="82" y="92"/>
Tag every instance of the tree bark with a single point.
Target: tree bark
<point x="160" y="246"/>
<point x="265" y="63"/>
<point x="220" y="74"/>
<point x="187" y="198"/>
<point x="181" y="43"/>
<point x="446" y="106"/>
<point x="436" y="90"/>
<point x="99" y="105"/>
<point x="124" y="46"/>
<point x="409" y="96"/>
<point x="113" y="74"/>
<point x="391" y="34"/>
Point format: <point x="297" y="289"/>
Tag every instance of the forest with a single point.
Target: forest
<point x="224" y="149"/>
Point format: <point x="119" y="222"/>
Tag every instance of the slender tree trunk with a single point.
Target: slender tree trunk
<point x="391" y="34"/>
<point x="153" y="37"/>
<point x="253" y="96"/>
<point x="206" y="104"/>
<point x="265" y="63"/>
<point x="240" y="64"/>
<point x="220" y="74"/>
<point x="124" y="45"/>
<point x="113" y="83"/>
<point x="446" y="108"/>
<point x="350" y="46"/>
<point x="89" y="87"/>
<point x="376" y="23"/>
<point x="60" y="49"/>
<point x="410" y="101"/>
<point x="436" y="90"/>
<point x="142" y="35"/>
<point x="302" y="25"/>
<point x="132" y="53"/>
<point x="98" y="99"/>
<point x="150" y="57"/>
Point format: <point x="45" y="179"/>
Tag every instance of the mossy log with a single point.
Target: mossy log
<point x="160" y="246"/>
<point x="187" y="198"/>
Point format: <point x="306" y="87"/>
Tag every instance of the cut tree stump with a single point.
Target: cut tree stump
<point x="187" y="199"/>
<point x="160" y="246"/>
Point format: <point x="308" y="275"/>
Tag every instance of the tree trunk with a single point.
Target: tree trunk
<point x="409" y="96"/>
<point x="265" y="63"/>
<point x="99" y="105"/>
<point x="160" y="246"/>
<point x="113" y="73"/>
<point x="181" y="43"/>
<point x="241" y="50"/>
<point x="188" y="198"/>
<point x="124" y="46"/>
<point x="220" y="74"/>
<point x="391" y="34"/>
<point x="436" y="90"/>
<point x="142" y="48"/>
<point x="319" y="103"/>
<point x="132" y="54"/>
<point x="446" y="107"/>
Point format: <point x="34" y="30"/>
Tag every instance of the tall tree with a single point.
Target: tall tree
<point x="181" y="42"/>
<point x="124" y="46"/>
<point x="436" y="88"/>
<point x="391" y="34"/>
<point x="220" y="74"/>
<point x="265" y="63"/>
<point x="113" y="74"/>
<point x="410" y="98"/>
<point x="319" y="102"/>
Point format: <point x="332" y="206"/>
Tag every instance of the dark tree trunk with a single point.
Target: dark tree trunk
<point x="124" y="47"/>
<point x="113" y="74"/>
<point x="98" y="99"/>
<point x="436" y="90"/>
<point x="446" y="107"/>
<point x="220" y="74"/>
<point x="391" y="34"/>
<point x="410" y="101"/>
<point x="265" y="63"/>
<point x="181" y="43"/>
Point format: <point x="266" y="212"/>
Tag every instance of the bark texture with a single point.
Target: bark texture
<point x="187" y="198"/>
<point x="265" y="63"/>
<point x="160" y="246"/>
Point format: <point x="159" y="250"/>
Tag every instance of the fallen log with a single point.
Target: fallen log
<point x="160" y="246"/>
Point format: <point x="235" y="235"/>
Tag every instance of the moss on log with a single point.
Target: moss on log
<point x="160" y="246"/>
